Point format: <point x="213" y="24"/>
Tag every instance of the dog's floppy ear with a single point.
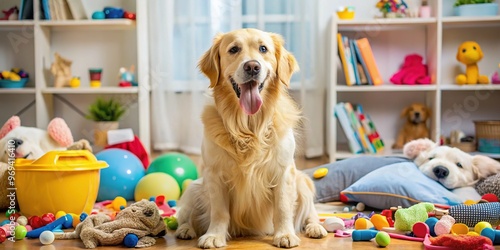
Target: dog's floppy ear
<point x="287" y="64"/>
<point x="60" y="132"/>
<point x="485" y="166"/>
<point x="413" y="148"/>
<point x="209" y="63"/>
<point x="405" y="111"/>
<point x="9" y="125"/>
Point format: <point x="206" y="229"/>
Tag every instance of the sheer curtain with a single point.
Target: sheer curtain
<point x="182" y="30"/>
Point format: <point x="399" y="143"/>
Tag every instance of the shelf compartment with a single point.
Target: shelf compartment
<point x="386" y="88"/>
<point x="15" y="24"/>
<point x="17" y="91"/>
<point x="461" y="22"/>
<point x="101" y="90"/>
<point x="344" y="153"/>
<point x="107" y="24"/>
<point x="450" y="87"/>
<point x="384" y="24"/>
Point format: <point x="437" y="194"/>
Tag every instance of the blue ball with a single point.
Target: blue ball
<point x="130" y="240"/>
<point x="98" y="15"/>
<point x="120" y="178"/>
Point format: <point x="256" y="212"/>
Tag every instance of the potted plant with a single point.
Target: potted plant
<point x="475" y="8"/>
<point x="105" y="114"/>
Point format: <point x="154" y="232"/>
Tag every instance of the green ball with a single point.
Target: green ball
<point x="383" y="239"/>
<point x="177" y="165"/>
<point x="20" y="232"/>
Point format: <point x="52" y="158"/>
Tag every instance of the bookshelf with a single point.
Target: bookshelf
<point x="436" y="39"/>
<point x="108" y="44"/>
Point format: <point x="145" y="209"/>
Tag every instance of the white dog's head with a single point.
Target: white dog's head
<point x="451" y="167"/>
<point x="17" y="141"/>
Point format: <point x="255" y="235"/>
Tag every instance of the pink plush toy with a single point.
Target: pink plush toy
<point x="412" y="72"/>
<point x="31" y="143"/>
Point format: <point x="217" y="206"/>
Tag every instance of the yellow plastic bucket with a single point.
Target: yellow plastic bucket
<point x="58" y="181"/>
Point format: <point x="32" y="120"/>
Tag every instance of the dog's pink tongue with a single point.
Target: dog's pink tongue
<point x="250" y="100"/>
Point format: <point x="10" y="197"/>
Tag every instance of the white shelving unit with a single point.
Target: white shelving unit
<point x="436" y="39"/>
<point x="108" y="44"/>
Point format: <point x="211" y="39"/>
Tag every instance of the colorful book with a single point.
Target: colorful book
<point x="345" y="123"/>
<point x="367" y="54"/>
<point x="343" y="60"/>
<point x="370" y="129"/>
<point x="45" y="9"/>
<point x="348" y="56"/>
<point x="363" y="64"/>
<point x="354" y="61"/>
<point x="77" y="9"/>
<point x="359" y="130"/>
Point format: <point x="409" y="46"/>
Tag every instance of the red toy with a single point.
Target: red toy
<point x="459" y="242"/>
<point x="412" y="72"/>
<point x="10" y="14"/>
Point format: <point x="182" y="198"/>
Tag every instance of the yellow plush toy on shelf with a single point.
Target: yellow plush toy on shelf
<point x="469" y="53"/>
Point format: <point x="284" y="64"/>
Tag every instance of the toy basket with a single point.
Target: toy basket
<point x="488" y="136"/>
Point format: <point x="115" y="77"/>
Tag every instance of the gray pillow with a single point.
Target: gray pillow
<point x="344" y="173"/>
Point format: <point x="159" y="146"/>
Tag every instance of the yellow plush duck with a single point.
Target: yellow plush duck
<point x="469" y="53"/>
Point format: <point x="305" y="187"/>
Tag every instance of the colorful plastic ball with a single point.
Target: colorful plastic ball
<point x="22" y="220"/>
<point x="481" y="225"/>
<point x="382" y="239"/>
<point x="47" y="237"/>
<point x="120" y="178"/>
<point x="60" y="214"/>
<point x="98" y="15"/>
<point x="177" y="165"/>
<point x="20" y="232"/>
<point x="155" y="184"/>
<point x="130" y="240"/>
<point x="3" y="235"/>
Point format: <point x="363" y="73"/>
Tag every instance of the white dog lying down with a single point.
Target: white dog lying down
<point x="250" y="185"/>
<point x="452" y="167"/>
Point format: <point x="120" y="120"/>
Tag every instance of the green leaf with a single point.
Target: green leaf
<point x="105" y="110"/>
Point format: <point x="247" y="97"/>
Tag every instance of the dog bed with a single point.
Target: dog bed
<point x="383" y="182"/>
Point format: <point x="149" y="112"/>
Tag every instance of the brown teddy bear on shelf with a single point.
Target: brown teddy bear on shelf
<point x="141" y="218"/>
<point x="61" y="69"/>
<point x="415" y="126"/>
<point x="469" y="53"/>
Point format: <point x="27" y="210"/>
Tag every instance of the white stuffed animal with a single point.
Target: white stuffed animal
<point x="452" y="167"/>
<point x="17" y="141"/>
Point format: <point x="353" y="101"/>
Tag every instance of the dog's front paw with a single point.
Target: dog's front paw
<point x="212" y="241"/>
<point x="185" y="232"/>
<point x="315" y="230"/>
<point x="80" y="145"/>
<point x="286" y="240"/>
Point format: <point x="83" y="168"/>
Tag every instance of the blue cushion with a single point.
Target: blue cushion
<point x="399" y="184"/>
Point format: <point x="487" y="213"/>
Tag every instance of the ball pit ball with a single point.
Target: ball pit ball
<point x="360" y="207"/>
<point x="481" y="225"/>
<point x="121" y="177"/>
<point x="60" y="214"/>
<point x="22" y="220"/>
<point x="177" y="165"/>
<point x="333" y="223"/>
<point x="382" y="239"/>
<point x="20" y="232"/>
<point x="155" y="184"/>
<point x="47" y="237"/>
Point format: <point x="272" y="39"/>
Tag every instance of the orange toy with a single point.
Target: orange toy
<point x="469" y="53"/>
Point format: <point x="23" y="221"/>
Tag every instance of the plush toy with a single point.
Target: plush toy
<point x="31" y="143"/>
<point x="141" y="219"/>
<point x="412" y="72"/>
<point x="461" y="242"/>
<point x="61" y="69"/>
<point x="469" y="53"/>
<point x="451" y="167"/>
<point x="490" y="185"/>
<point x="406" y="217"/>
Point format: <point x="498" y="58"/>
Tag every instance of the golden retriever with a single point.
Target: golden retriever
<point x="449" y="166"/>
<point x="415" y="126"/>
<point x="250" y="184"/>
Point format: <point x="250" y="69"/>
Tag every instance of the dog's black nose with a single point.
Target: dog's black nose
<point x="440" y="171"/>
<point x="417" y="114"/>
<point x="252" y="67"/>
<point x="17" y="142"/>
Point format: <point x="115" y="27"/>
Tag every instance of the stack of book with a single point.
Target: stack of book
<point x="62" y="10"/>
<point x="359" y="129"/>
<point x="358" y="62"/>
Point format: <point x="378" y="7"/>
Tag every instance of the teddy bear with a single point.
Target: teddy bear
<point x="141" y="218"/>
<point x="412" y="72"/>
<point x="470" y="53"/>
<point x="17" y="141"/>
<point x="61" y="69"/>
<point x="449" y="166"/>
